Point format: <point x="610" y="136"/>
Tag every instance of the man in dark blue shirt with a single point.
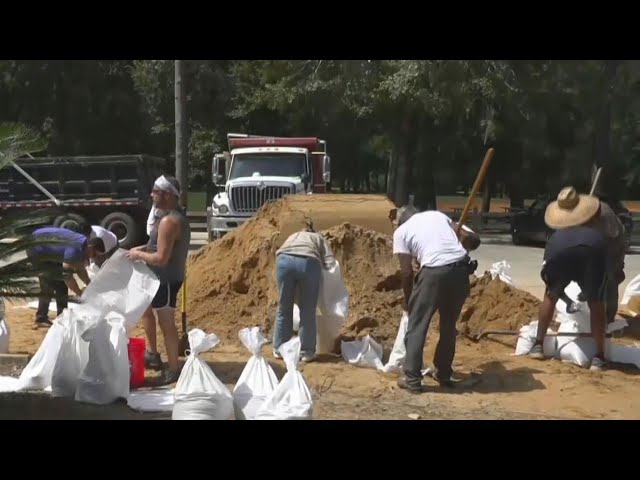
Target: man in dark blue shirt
<point x="66" y="254"/>
<point x="575" y="252"/>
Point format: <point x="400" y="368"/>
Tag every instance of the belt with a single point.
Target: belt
<point x="460" y="263"/>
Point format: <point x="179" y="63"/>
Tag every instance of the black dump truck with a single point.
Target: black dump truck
<point x="112" y="191"/>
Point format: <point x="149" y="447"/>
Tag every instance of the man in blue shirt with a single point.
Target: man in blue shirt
<point x="65" y="254"/>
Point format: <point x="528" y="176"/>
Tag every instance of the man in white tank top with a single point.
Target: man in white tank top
<point x="441" y="284"/>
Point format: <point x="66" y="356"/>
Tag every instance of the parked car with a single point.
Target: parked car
<point x="528" y="225"/>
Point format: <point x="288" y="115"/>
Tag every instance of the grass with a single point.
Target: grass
<point x="197" y="201"/>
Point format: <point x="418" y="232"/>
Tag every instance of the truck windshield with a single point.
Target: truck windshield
<point x="268" y="164"/>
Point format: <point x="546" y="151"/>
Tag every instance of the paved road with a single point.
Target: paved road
<point x="526" y="261"/>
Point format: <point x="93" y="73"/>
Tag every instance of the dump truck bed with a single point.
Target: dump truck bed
<point x="82" y="181"/>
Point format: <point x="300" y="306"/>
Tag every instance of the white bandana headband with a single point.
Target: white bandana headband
<point x="163" y="184"/>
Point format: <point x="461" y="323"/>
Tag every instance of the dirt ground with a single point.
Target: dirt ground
<point x="510" y="388"/>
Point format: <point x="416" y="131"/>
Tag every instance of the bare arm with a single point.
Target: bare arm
<point x="81" y="271"/>
<point x="406" y="273"/>
<point x="168" y="232"/>
<point x="469" y="239"/>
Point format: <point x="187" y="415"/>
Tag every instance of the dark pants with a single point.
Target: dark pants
<point x="442" y="289"/>
<point x="611" y="299"/>
<point x="52" y="285"/>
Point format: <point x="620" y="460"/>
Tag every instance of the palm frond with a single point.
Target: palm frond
<point x="17" y="140"/>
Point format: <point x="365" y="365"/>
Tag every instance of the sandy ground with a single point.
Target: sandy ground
<point x="511" y="387"/>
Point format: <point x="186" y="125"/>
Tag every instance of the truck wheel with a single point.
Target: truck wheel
<point x="124" y="227"/>
<point x="70" y="221"/>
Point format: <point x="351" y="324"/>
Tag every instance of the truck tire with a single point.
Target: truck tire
<point x="124" y="227"/>
<point x="70" y="221"/>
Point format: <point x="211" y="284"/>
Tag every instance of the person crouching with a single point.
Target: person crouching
<point x="299" y="263"/>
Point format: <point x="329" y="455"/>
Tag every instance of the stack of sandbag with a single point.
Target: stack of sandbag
<point x="333" y="309"/>
<point x="291" y="400"/>
<point x="87" y="345"/>
<point x="578" y="350"/>
<point x="199" y="394"/>
<point x="257" y="381"/>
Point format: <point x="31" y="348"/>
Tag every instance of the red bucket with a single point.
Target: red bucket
<point x="136" y="361"/>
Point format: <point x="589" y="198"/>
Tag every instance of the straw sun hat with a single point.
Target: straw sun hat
<point x="571" y="209"/>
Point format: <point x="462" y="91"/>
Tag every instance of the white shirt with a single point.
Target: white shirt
<point x="429" y="237"/>
<point x="151" y="220"/>
<point x="108" y="238"/>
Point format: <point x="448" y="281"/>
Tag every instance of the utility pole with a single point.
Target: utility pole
<point x="182" y="160"/>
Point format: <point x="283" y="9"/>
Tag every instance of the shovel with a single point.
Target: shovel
<point x="477" y="338"/>
<point x="183" y="345"/>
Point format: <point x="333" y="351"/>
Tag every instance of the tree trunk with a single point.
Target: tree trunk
<point x="404" y="164"/>
<point x="602" y="132"/>
<point x="390" y="180"/>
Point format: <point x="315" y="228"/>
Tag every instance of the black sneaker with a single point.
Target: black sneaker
<point x="167" y="378"/>
<point x="455" y="381"/>
<point x="43" y="323"/>
<point x="413" y="388"/>
<point x="152" y="360"/>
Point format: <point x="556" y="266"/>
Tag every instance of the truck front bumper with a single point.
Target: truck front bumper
<point x="221" y="225"/>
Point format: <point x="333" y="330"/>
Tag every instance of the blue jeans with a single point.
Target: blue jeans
<point x="302" y="275"/>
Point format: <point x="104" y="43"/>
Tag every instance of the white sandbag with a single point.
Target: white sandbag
<point x="333" y="298"/>
<point x="573" y="292"/>
<point x="9" y="384"/>
<point x="398" y="352"/>
<point x="632" y="290"/>
<point x="72" y="357"/>
<point x="160" y="400"/>
<point x="291" y="400"/>
<point x="106" y="375"/>
<point x="499" y="270"/>
<point x="333" y="303"/>
<point x="363" y="353"/>
<point x="92" y="271"/>
<point x="527" y="338"/>
<point x="4" y="336"/>
<point x="581" y="350"/>
<point x="124" y="287"/>
<point x="257" y="380"/>
<point x="296" y="317"/>
<point x="628" y="354"/>
<point x="199" y="394"/>
<point x="38" y="372"/>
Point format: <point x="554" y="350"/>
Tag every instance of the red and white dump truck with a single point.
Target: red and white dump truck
<point x="260" y="169"/>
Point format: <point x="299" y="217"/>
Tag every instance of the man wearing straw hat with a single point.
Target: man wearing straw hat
<point x="577" y="251"/>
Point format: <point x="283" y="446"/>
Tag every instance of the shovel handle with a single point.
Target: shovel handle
<point x="476" y="187"/>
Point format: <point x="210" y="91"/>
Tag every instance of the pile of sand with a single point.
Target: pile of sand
<point x="231" y="283"/>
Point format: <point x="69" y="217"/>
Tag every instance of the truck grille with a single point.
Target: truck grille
<point x="250" y="199"/>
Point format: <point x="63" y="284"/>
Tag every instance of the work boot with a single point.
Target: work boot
<point x="307" y="357"/>
<point x="411" y="387"/>
<point x="537" y="352"/>
<point x="43" y="323"/>
<point x="598" y="364"/>
<point x="167" y="378"/>
<point x="152" y="360"/>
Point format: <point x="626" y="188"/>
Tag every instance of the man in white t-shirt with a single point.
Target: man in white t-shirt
<point x="441" y="284"/>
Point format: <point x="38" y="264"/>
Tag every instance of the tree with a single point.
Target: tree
<point x="16" y="271"/>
